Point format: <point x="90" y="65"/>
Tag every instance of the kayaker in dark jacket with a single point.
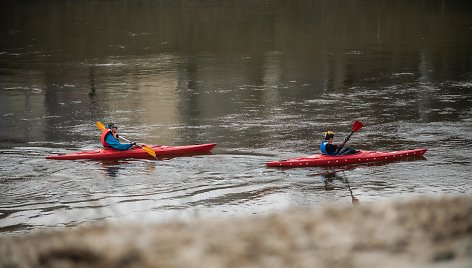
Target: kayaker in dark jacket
<point x="109" y="139"/>
<point x="327" y="147"/>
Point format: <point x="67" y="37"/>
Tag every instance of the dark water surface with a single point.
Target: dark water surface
<point x="262" y="79"/>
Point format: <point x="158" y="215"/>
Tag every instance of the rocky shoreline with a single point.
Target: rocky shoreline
<point x="425" y="232"/>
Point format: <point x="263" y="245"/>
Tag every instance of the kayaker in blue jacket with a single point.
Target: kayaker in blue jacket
<point x="109" y="139"/>
<point x="327" y="147"/>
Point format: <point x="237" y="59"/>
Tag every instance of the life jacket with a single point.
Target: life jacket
<point x="323" y="148"/>
<point x="102" y="138"/>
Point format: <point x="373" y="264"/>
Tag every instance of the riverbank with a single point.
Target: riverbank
<point x="423" y="232"/>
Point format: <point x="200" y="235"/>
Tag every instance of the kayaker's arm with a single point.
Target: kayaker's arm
<point x="331" y="149"/>
<point x="115" y="144"/>
<point x="341" y="145"/>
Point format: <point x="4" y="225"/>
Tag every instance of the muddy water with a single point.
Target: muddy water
<point x="262" y="79"/>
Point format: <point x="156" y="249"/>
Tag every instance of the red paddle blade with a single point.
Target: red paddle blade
<point x="357" y="126"/>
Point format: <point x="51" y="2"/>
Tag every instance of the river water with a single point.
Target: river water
<point x="262" y="79"/>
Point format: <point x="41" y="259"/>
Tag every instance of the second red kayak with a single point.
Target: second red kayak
<point x="359" y="157"/>
<point x="161" y="151"/>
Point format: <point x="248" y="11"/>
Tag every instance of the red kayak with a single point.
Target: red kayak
<point x="161" y="151"/>
<point x="357" y="158"/>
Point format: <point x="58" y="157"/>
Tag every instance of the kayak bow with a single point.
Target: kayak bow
<point x="338" y="160"/>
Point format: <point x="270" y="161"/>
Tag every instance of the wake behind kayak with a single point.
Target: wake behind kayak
<point x="137" y="153"/>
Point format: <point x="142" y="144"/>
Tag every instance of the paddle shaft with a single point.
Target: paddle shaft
<point x="345" y="141"/>
<point x="146" y="148"/>
<point x="123" y="138"/>
<point x="356" y="127"/>
<point x="348" y="137"/>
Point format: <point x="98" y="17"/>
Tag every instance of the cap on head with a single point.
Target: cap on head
<point x="111" y="125"/>
<point x="328" y="135"/>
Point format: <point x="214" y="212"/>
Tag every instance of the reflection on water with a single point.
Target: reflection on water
<point x="263" y="79"/>
<point x="329" y="179"/>
<point x="112" y="168"/>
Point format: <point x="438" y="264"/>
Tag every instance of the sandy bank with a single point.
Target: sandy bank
<point x="418" y="233"/>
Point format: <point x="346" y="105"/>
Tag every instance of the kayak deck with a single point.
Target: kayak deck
<point x="138" y="153"/>
<point x="357" y="158"/>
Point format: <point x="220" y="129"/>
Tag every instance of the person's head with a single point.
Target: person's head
<point x="113" y="127"/>
<point x="328" y="135"/>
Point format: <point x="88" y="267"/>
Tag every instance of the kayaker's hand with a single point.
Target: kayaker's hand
<point x="134" y="144"/>
<point x="117" y="136"/>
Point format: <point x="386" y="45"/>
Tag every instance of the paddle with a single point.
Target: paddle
<point x="355" y="127"/>
<point x="146" y="148"/>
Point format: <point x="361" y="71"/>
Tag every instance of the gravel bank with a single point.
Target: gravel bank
<point x="415" y="233"/>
